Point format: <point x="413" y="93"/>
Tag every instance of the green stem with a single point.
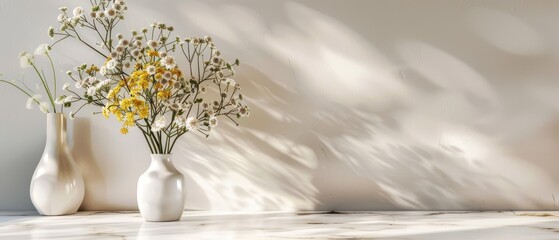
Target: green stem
<point x="53" y="73"/>
<point x="45" y="85"/>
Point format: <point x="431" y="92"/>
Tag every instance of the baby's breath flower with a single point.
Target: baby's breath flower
<point x="25" y="59"/>
<point x="111" y="64"/>
<point x="79" y="84"/>
<point x="72" y="115"/>
<point x="43" y="49"/>
<point x="180" y="121"/>
<point x="103" y="70"/>
<point x="167" y="75"/>
<point x="65" y="86"/>
<point x="100" y="14"/>
<point x="135" y="53"/>
<point x="168" y="62"/>
<point x="60" y="100"/>
<point x="111" y="12"/>
<point x="62" y="17"/>
<point x="44" y="107"/>
<point x="33" y="99"/>
<point x="78" y="12"/>
<point x="150" y="69"/>
<point x="191" y="123"/>
<point x="123" y="42"/>
<point x="91" y="91"/>
<point x="228" y="81"/>
<point x="153" y="44"/>
<point x="51" y="32"/>
<point x="244" y="111"/>
<point x="159" y="124"/>
<point x="213" y="121"/>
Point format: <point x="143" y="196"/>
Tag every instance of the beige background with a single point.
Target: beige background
<point x="356" y="105"/>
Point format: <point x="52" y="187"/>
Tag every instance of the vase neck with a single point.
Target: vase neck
<point x="56" y="128"/>
<point x="162" y="161"/>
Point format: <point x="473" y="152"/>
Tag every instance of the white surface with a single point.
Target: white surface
<point x="161" y="191"/>
<point x="285" y="225"/>
<point x="57" y="186"/>
<point x="356" y="105"/>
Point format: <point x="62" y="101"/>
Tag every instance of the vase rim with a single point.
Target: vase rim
<point x="161" y="155"/>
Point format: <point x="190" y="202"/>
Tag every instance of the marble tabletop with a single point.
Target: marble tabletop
<point x="285" y="225"/>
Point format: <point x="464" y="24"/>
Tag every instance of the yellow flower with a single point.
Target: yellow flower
<point x="112" y="96"/>
<point x="124" y="130"/>
<point x="163" y="95"/>
<point x="92" y="69"/>
<point x="118" y="115"/>
<point x="153" y="53"/>
<point x="129" y="122"/>
<point x="105" y="111"/>
<point x="143" y="112"/>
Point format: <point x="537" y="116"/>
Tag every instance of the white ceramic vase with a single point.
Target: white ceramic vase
<point x="57" y="185"/>
<point x="161" y="193"/>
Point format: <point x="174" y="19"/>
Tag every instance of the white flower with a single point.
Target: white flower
<point x="159" y="124"/>
<point x="60" y="100"/>
<point x="100" y="14"/>
<point x="175" y="107"/>
<point x="213" y="121"/>
<point x="151" y="70"/>
<point x="167" y="75"/>
<point x="244" y="111"/>
<point x="70" y="99"/>
<point x="44" y="107"/>
<point x="65" y="86"/>
<point x="111" y="12"/>
<point x="152" y="44"/>
<point x="72" y="115"/>
<point x="168" y="62"/>
<point x="103" y="70"/>
<point x="79" y="84"/>
<point x="180" y="121"/>
<point x="42" y="49"/>
<point x="135" y="53"/>
<point x="229" y="81"/>
<point x="25" y="59"/>
<point x="78" y="12"/>
<point x="33" y="99"/>
<point x="103" y="83"/>
<point x="91" y="91"/>
<point x="51" y="32"/>
<point x="123" y="42"/>
<point x="111" y="64"/>
<point x="62" y="17"/>
<point x="191" y="123"/>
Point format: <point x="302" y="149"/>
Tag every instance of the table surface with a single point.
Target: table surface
<point x="285" y="225"/>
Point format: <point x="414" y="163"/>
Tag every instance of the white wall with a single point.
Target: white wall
<point x="356" y="105"/>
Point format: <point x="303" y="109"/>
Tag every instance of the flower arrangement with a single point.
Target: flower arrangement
<point x="27" y="60"/>
<point x="139" y="80"/>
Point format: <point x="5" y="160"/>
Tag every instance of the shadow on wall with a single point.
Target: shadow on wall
<point x="87" y="163"/>
<point x="342" y="125"/>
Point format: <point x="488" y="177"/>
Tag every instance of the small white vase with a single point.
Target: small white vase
<point x="161" y="193"/>
<point x="57" y="185"/>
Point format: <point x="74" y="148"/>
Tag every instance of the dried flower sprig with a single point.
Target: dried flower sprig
<point x="140" y="81"/>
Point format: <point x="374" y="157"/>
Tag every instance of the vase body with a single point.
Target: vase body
<point x="160" y="192"/>
<point x="57" y="186"/>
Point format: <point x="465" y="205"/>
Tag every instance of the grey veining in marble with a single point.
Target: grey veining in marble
<point x="286" y="225"/>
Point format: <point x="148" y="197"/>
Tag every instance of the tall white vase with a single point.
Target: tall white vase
<point x="57" y="185"/>
<point x="161" y="192"/>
